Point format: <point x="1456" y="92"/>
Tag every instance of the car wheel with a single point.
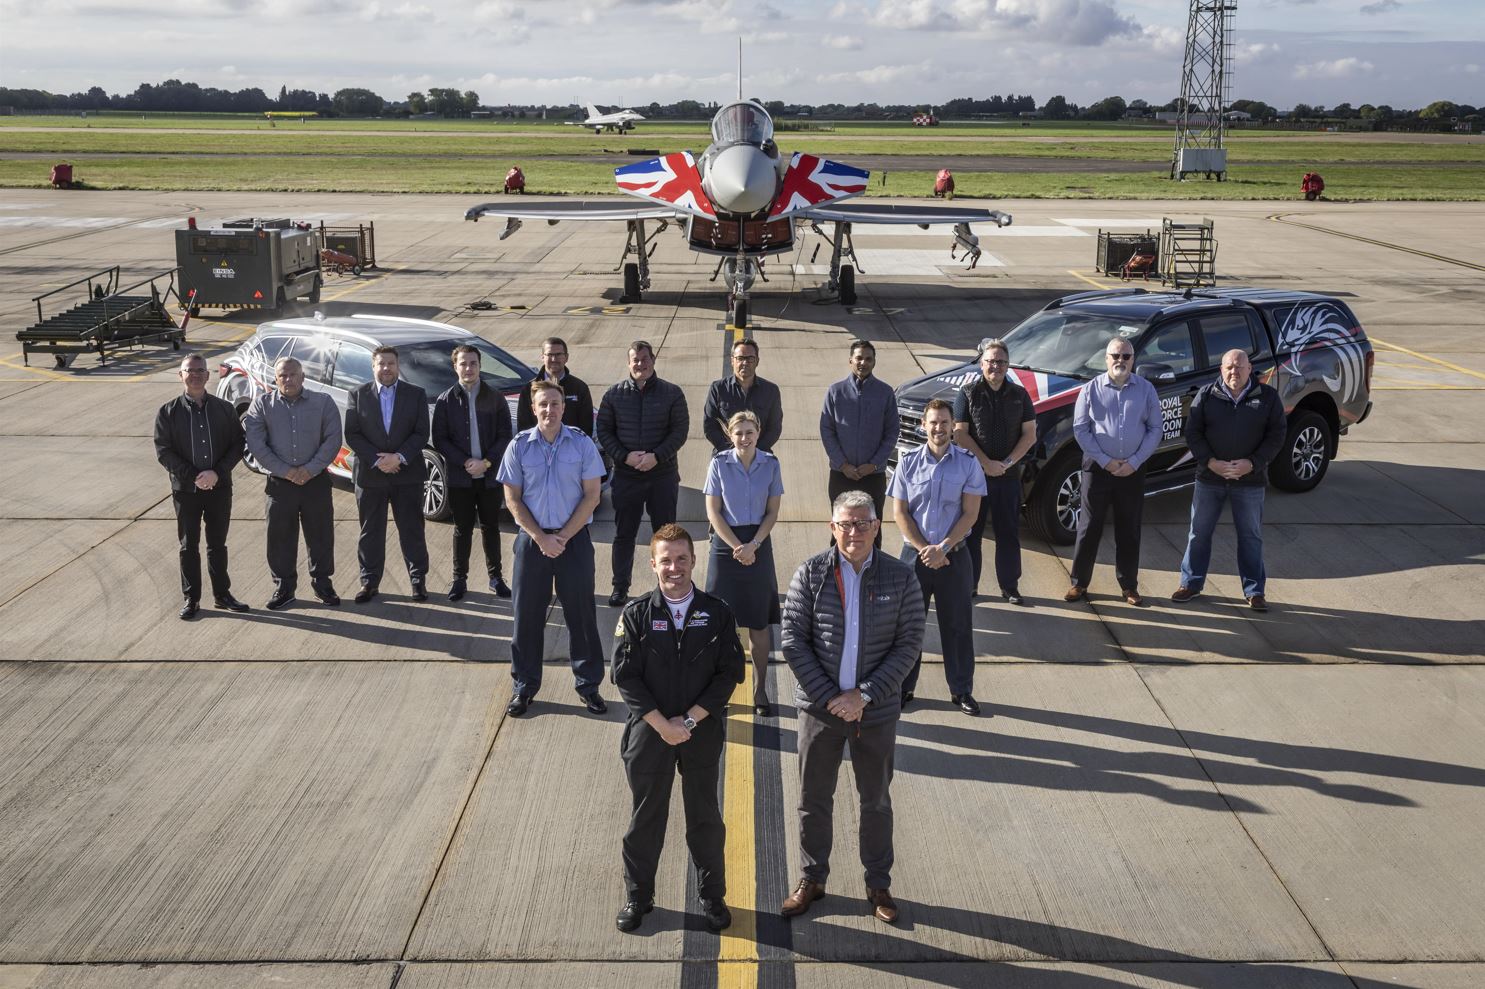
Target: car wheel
<point x="1306" y="455"/>
<point x="435" y="488"/>
<point x="250" y="461"/>
<point x="1057" y="498"/>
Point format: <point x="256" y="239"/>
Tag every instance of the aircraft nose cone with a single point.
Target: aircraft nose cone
<point x="741" y="179"/>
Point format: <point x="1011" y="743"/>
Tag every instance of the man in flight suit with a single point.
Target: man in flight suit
<point x="676" y="664"/>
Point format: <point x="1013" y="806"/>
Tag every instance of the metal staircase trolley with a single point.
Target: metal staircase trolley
<point x="103" y="317"/>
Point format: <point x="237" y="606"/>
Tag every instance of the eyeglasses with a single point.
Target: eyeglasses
<point x="993" y="362"/>
<point x="858" y="525"/>
<point x="555" y="353"/>
<point x="745" y="358"/>
<point x="196" y="370"/>
<point x="1121" y="357"/>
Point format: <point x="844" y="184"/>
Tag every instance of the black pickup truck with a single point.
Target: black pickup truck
<point x="1310" y="347"/>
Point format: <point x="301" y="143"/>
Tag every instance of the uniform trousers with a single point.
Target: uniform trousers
<point x="483" y="502"/>
<point x="192" y="508"/>
<point x="874" y="484"/>
<point x="950" y="586"/>
<point x="650" y="765"/>
<point x="407" y="511"/>
<point x="292" y="507"/>
<point x="1001" y="508"/>
<point x="1126" y="496"/>
<point x="822" y="741"/>
<point x="633" y="494"/>
<point x="533" y="576"/>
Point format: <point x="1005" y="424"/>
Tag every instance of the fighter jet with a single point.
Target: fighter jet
<point x="742" y="201"/>
<point x="619" y="120"/>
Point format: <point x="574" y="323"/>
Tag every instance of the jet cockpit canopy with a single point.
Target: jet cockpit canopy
<point x="743" y="122"/>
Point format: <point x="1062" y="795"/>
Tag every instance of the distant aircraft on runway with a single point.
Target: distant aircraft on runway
<point x="742" y="201"/>
<point x="619" y="120"/>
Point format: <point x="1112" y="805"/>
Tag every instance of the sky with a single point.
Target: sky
<point x="1404" y="53"/>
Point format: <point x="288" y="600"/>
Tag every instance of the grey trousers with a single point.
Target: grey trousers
<point x="822" y="741"/>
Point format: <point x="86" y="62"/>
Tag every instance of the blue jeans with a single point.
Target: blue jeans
<point x="1247" y="518"/>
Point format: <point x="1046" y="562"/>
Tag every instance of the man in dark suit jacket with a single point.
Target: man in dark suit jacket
<point x="471" y="429"/>
<point x="198" y="440"/>
<point x="386" y="427"/>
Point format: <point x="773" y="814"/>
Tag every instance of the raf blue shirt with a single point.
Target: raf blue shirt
<point x="933" y="488"/>
<point x="744" y="492"/>
<point x="550" y="475"/>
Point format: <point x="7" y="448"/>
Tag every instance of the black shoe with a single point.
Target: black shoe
<point x="325" y="591"/>
<point x="631" y="913"/>
<point x="188" y="609"/>
<point x="518" y="705"/>
<point x="366" y="593"/>
<point x="281" y="599"/>
<point x="967" y="704"/>
<point x="419" y="591"/>
<point x="594" y="703"/>
<point x="907" y="698"/>
<point x="764" y="710"/>
<point x="715" y="913"/>
<point x="230" y="603"/>
<point x="500" y="587"/>
<point x="619" y="597"/>
<point x="1013" y="597"/>
<point x="456" y="590"/>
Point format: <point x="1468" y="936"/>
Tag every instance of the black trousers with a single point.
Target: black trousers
<point x="634" y="494"/>
<point x="532" y="578"/>
<point x="407" y="511"/>
<point x="192" y="507"/>
<point x="651" y="765"/>
<point x="292" y="507"/>
<point x="1001" y="508"/>
<point x="950" y="587"/>
<point x="823" y="739"/>
<point x="1126" y="496"/>
<point x="874" y="484"/>
<point x="483" y="502"/>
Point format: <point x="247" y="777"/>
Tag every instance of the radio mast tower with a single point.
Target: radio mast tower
<point x="1206" y="89"/>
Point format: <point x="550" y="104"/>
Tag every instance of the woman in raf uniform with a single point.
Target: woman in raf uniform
<point x="743" y="488"/>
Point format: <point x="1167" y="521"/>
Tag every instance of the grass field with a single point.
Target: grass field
<point x="217" y="153"/>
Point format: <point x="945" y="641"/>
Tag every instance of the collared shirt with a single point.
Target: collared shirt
<point x="744" y="491"/>
<point x="388" y="396"/>
<point x="1238" y="398"/>
<point x="550" y="475"/>
<point x="859" y="422"/>
<point x="1113" y="423"/>
<point x="726" y="397"/>
<point x="202" y="455"/>
<point x="851" y="592"/>
<point x="933" y="488"/>
<point x="303" y="433"/>
<point x="471" y="393"/>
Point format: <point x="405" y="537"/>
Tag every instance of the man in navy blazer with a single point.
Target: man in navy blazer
<point x="471" y="429"/>
<point x="386" y="427"/>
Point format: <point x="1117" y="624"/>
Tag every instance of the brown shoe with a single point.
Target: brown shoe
<point x="1133" y="598"/>
<point x="883" y="907"/>
<point x="1075" y="593"/>
<point x="1258" y="602"/>
<point x="1183" y="593"/>
<point x="799" y="901"/>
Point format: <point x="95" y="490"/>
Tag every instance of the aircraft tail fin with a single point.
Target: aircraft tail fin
<point x="593" y="111"/>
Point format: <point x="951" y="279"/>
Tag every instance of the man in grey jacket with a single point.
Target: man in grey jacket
<point x="853" y="627"/>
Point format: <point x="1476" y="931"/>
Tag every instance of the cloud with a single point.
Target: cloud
<point x="842" y="42"/>
<point x="878" y="75"/>
<point x="1255" y="52"/>
<point x="1340" y="68"/>
<point x="1075" y="22"/>
<point x="1380" y="7"/>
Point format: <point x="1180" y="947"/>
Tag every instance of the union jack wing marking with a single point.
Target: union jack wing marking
<point x="671" y="179"/>
<point x="813" y="181"/>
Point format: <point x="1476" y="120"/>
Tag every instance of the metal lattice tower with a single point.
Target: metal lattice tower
<point x="1206" y="90"/>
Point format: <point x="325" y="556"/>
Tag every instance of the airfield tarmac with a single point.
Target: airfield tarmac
<point x="1192" y="796"/>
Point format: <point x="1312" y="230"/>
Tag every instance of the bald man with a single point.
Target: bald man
<point x="1235" y="429"/>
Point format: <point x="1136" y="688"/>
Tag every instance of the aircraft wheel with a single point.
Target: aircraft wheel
<point x="847" y="285"/>
<point x="740" y="313"/>
<point x="631" y="282"/>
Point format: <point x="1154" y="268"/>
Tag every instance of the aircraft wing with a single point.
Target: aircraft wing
<point x="670" y="180"/>
<point x="884" y="213"/>
<point x="556" y="210"/>
<point x="812" y="181"/>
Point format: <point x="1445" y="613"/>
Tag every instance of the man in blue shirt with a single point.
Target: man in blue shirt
<point x="551" y="476"/>
<point x="858" y="426"/>
<point x="1117" y="424"/>
<point x="936" y="494"/>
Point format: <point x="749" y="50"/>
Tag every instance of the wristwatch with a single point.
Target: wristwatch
<point x="690" y="723"/>
<point x="865" y="697"/>
<point x="487" y="463"/>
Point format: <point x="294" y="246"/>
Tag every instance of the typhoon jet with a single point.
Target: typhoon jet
<point x="742" y="201"/>
<point x="619" y="120"/>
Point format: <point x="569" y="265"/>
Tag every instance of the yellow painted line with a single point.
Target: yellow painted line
<point x="43" y="372"/>
<point x="1090" y="281"/>
<point x="1425" y="357"/>
<point x="737" y="952"/>
<point x="1428" y="388"/>
<point x="1284" y="218"/>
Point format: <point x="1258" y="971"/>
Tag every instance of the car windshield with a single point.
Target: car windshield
<point x="741" y="123"/>
<point x="1069" y="343"/>
<point x="430" y="366"/>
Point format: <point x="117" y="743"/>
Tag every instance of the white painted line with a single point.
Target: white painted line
<point x="1109" y="221"/>
<point x="983" y="229"/>
<point x="884" y="262"/>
